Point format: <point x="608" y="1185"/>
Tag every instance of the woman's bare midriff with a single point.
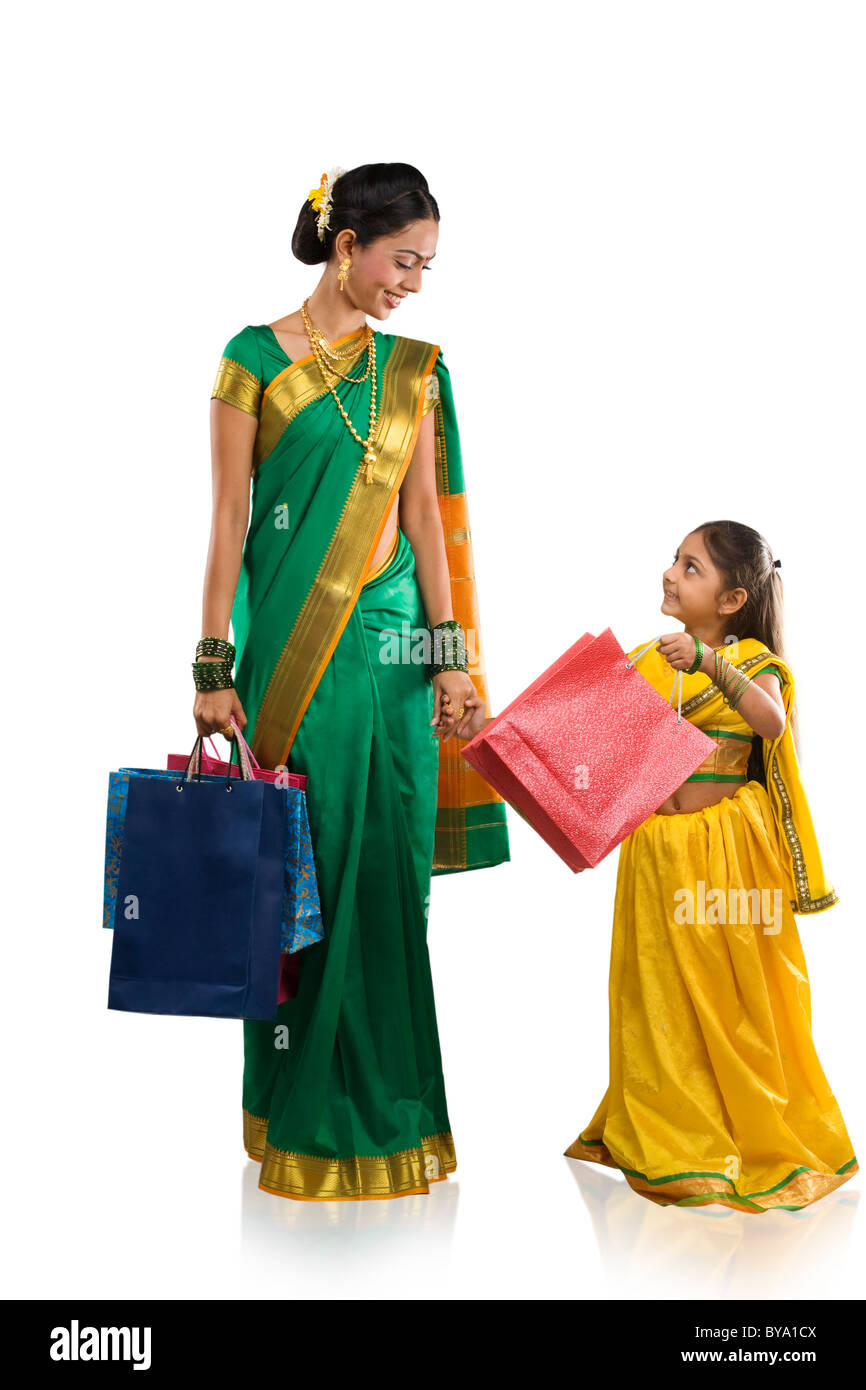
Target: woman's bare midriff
<point x="387" y="537"/>
<point x="694" y="796"/>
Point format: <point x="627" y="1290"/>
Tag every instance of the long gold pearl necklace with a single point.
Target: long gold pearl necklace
<point x="328" y="372"/>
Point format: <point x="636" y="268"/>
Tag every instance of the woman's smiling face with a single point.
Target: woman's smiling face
<point x="383" y="273"/>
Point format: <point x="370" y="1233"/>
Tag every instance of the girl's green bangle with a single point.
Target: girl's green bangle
<point x="731" y="682"/>
<point x="699" y="656"/>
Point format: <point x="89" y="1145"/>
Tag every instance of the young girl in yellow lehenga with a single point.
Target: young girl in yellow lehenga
<point x="716" y="1092"/>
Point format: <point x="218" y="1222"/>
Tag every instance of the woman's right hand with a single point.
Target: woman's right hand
<point x="214" y="708"/>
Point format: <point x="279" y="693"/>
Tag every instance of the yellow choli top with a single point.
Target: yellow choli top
<point x="733" y="740"/>
<point x="811" y="891"/>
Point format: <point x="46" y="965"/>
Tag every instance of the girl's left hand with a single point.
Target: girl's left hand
<point x="451" y="689"/>
<point x="679" y="649"/>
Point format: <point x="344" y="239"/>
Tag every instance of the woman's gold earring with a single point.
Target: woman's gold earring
<point x="343" y="272"/>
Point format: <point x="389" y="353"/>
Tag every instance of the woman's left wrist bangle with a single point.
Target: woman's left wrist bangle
<point x="448" y="648"/>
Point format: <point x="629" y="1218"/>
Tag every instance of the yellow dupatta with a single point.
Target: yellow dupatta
<point x="809" y="887"/>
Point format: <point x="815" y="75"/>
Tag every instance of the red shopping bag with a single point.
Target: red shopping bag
<point x="588" y="751"/>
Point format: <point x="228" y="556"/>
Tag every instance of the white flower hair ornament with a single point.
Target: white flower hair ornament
<point x="321" y="199"/>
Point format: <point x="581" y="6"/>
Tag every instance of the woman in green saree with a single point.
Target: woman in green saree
<point x="357" y="548"/>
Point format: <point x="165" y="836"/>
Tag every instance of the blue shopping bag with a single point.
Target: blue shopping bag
<point x="199" y="896"/>
<point x="302" y="913"/>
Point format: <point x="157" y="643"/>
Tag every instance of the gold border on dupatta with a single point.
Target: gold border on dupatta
<point x="708" y="693"/>
<point x="309" y="1178"/>
<point x="805" y="902"/>
<point x="329" y="604"/>
<point x="296" y="386"/>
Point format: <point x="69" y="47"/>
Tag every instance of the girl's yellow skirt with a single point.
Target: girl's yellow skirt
<point x="716" y="1092"/>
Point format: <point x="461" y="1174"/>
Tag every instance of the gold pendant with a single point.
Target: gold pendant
<point x="370" y="460"/>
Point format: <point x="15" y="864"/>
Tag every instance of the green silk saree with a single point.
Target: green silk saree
<point x="344" y="1098"/>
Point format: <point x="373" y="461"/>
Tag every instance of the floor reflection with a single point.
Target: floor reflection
<point x="350" y="1247"/>
<point x="711" y="1252"/>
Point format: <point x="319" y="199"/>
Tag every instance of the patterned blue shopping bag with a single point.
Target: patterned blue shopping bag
<point x="199" y="898"/>
<point x="302" y="915"/>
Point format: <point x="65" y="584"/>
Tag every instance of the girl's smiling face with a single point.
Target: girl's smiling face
<point x="391" y="267"/>
<point x="694" y="590"/>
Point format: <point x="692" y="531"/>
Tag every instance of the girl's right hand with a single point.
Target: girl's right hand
<point x="214" y="708"/>
<point x="473" y="720"/>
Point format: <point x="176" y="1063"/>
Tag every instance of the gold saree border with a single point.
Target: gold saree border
<point x="335" y="589"/>
<point x="309" y="1178"/>
<point x="799" y="1189"/>
<point x="238" y="386"/>
<point x="805" y="902"/>
<point x="295" y="387"/>
<point x="255" y="1134"/>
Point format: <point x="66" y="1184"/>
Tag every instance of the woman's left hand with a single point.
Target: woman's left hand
<point x="679" y="650"/>
<point x="450" y="691"/>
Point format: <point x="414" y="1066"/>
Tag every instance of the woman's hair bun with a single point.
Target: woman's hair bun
<point x="306" y="243"/>
<point x="374" y="200"/>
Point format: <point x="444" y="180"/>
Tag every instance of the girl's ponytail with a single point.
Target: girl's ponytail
<point x="744" y="559"/>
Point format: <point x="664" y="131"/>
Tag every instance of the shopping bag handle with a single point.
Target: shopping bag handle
<point x="678" y="679"/>
<point x="192" y="771"/>
<point x="639" y="654"/>
<point x="243" y="745"/>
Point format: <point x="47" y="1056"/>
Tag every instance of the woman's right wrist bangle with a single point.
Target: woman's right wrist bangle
<point x="216" y="646"/>
<point x="212" y="675"/>
<point x="215" y="674"/>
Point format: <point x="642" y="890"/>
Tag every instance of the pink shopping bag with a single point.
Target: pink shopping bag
<point x="588" y="751"/>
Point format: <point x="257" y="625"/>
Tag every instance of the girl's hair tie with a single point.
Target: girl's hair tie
<point x="777" y="564"/>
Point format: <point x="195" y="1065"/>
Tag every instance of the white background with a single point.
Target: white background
<point x="650" y="294"/>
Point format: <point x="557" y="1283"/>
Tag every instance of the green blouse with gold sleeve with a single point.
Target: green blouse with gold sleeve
<point x="239" y="378"/>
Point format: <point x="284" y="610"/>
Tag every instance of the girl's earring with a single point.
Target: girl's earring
<point x="343" y="272"/>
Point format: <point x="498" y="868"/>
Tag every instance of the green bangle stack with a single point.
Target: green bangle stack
<point x="216" y="646"/>
<point x="449" y="648"/>
<point x="213" y="675"/>
<point x="731" y="682"/>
